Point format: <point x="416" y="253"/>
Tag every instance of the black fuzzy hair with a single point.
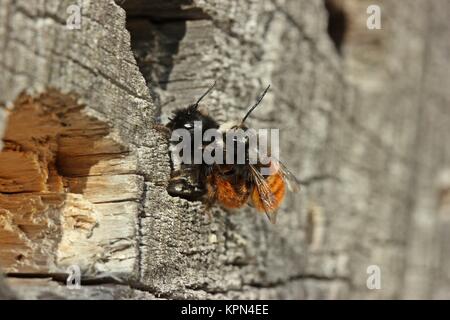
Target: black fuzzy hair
<point x="189" y="115"/>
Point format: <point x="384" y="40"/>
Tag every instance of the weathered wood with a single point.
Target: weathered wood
<point x="5" y="291"/>
<point x="47" y="289"/>
<point x="68" y="192"/>
<point x="365" y="129"/>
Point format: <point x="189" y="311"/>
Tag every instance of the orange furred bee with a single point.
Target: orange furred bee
<point x="235" y="185"/>
<point x="228" y="189"/>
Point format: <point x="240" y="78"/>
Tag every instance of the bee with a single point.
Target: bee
<point x="236" y="185"/>
<point x="230" y="185"/>
<point x="188" y="181"/>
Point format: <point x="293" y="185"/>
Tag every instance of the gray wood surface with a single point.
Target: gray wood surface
<point x="365" y="129"/>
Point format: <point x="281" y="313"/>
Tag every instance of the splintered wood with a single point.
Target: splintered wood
<point x="68" y="192"/>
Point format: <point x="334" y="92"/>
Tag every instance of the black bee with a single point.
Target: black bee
<point x="188" y="181"/>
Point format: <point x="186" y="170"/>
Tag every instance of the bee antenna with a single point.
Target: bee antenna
<point x="256" y="104"/>
<point x="195" y="105"/>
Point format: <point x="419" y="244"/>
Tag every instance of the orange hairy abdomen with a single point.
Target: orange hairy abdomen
<point x="231" y="195"/>
<point x="278" y="189"/>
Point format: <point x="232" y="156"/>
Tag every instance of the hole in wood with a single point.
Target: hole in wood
<point x="61" y="179"/>
<point x="337" y="23"/>
<point x="166" y="38"/>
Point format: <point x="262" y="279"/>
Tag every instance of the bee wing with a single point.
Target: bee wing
<point x="267" y="197"/>
<point x="272" y="216"/>
<point x="291" y="180"/>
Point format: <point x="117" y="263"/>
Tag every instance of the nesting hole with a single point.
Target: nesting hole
<point x="337" y="23"/>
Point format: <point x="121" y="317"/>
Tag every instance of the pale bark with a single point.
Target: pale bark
<point x="83" y="172"/>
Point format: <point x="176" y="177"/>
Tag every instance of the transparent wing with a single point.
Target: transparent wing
<point x="276" y="166"/>
<point x="266" y="196"/>
<point x="289" y="178"/>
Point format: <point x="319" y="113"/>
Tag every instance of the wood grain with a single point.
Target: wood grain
<point x="366" y="129"/>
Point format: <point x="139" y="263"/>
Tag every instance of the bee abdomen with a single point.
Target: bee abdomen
<point x="231" y="195"/>
<point x="277" y="188"/>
